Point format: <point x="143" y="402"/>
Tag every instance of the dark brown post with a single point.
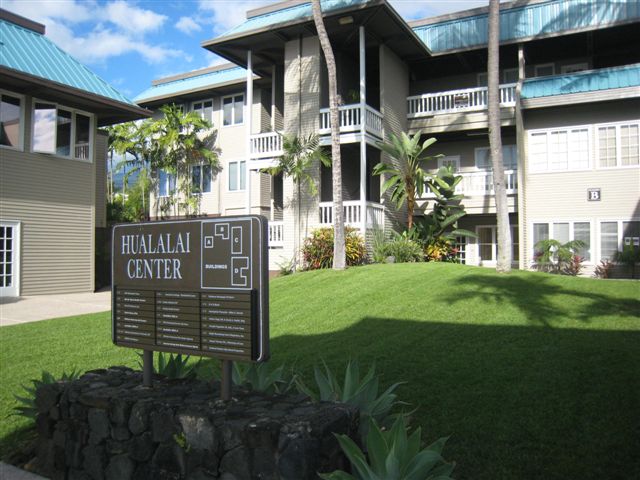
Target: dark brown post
<point x="147" y="368"/>
<point x="225" y="381"/>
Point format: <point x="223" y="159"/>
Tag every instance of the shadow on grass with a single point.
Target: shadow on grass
<point x="541" y="298"/>
<point x="519" y="402"/>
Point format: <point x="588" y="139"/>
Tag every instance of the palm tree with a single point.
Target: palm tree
<point x="406" y="180"/>
<point x="505" y="246"/>
<point x="339" y="253"/>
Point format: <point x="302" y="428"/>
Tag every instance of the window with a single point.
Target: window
<point x="232" y="110"/>
<point x="166" y="183"/>
<point x="461" y="245"/>
<point x="488" y="243"/>
<point x="564" y="232"/>
<point x="559" y="150"/>
<point x="544" y="70"/>
<point x="618" y="145"/>
<point x="509" y="158"/>
<point x="237" y="175"/>
<point x="576" y="67"/>
<point x="615" y="235"/>
<point x="204" y="109"/>
<point x="509" y="75"/>
<point x="10" y="121"/>
<point x="201" y="178"/>
<point x="61" y="131"/>
<point x="450" y="161"/>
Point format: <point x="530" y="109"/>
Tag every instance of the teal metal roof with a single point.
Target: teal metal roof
<point x="589" y="81"/>
<point x="528" y="21"/>
<point x="198" y="82"/>
<point x="289" y="15"/>
<point x="29" y="52"/>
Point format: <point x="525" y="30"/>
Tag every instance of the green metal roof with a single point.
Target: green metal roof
<point x="581" y="82"/>
<point x="189" y="84"/>
<point x="528" y="21"/>
<point x="29" y="52"/>
<point x="289" y="15"/>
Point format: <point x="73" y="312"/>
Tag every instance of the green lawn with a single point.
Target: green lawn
<point x="534" y="376"/>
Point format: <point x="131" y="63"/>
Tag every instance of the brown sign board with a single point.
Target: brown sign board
<point x="197" y="287"/>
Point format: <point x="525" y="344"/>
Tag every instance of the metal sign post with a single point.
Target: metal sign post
<point x="194" y="287"/>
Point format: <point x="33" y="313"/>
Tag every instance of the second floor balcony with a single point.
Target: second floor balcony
<point x="265" y="145"/>
<point x="481" y="183"/>
<point x="351" y="120"/>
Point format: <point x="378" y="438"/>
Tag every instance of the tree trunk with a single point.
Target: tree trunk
<point x="503" y="263"/>
<point x="339" y="255"/>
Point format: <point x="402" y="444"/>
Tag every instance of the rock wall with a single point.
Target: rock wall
<point x="107" y="426"/>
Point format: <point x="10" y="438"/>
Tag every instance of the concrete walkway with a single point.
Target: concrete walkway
<point x="42" y="307"/>
<point x="9" y="472"/>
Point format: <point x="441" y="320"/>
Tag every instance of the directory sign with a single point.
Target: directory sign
<point x="197" y="287"/>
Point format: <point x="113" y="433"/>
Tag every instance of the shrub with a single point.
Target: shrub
<point x="27" y="401"/>
<point x="574" y="266"/>
<point x="603" y="270"/>
<point x="402" y="248"/>
<point x="555" y="257"/>
<point x="175" y="366"/>
<point x="629" y="256"/>
<point x="393" y="454"/>
<point x="317" y="250"/>
<point x="440" y="250"/>
<point x="260" y="377"/>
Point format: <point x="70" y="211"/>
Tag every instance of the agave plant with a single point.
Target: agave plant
<point x="260" y="377"/>
<point x="175" y="366"/>
<point x="27" y="401"/>
<point x="361" y="393"/>
<point x="393" y="455"/>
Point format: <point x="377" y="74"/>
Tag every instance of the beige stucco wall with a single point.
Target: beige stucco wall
<point x="54" y="199"/>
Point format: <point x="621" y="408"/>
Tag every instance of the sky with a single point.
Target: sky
<point x="130" y="43"/>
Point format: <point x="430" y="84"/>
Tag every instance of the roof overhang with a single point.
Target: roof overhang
<point x="380" y="20"/>
<point x="107" y="111"/>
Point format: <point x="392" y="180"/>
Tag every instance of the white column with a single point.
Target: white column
<point x="363" y="130"/>
<point x="248" y="121"/>
<point x="273" y="98"/>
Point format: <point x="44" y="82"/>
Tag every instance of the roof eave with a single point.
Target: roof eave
<point x="159" y="98"/>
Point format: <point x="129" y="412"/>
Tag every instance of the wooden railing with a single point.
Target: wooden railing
<point x="455" y="101"/>
<point x="352" y="214"/>
<point x="276" y="234"/>
<point x="481" y="183"/>
<point x="351" y="120"/>
<point x="266" y="145"/>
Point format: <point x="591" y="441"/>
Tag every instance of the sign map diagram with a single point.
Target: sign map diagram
<point x="227" y="254"/>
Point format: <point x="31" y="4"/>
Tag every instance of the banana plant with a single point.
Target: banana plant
<point x="393" y="454"/>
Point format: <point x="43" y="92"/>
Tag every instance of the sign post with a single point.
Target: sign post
<point x="195" y="287"/>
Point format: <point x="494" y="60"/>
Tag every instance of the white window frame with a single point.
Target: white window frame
<point x="620" y="223"/>
<point x="567" y="130"/>
<point x="201" y="165"/>
<point x="494" y="245"/>
<point x="477" y="150"/>
<point x="233" y="111"/>
<point x="21" y="128"/>
<point x="594" y="251"/>
<point x="240" y="168"/>
<point x="582" y="66"/>
<point x="455" y="159"/>
<point x="192" y="107"/>
<point x="17" y="244"/>
<point x="168" y="190"/>
<point x="617" y="126"/>
<point x="504" y="75"/>
<point x="544" y="65"/>
<point x="74" y="112"/>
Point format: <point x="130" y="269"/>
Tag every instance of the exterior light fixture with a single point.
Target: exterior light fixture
<point x="345" y="20"/>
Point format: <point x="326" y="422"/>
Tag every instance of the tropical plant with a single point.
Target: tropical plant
<point x="174" y="366"/>
<point x="603" y="269"/>
<point x="504" y="240"/>
<point x="27" y="400"/>
<point x="629" y="256"/>
<point x="260" y="377"/>
<point x="317" y="251"/>
<point x="339" y="246"/>
<point x="574" y="266"/>
<point x="441" y="250"/>
<point x="287" y="266"/>
<point x="401" y="248"/>
<point x="556" y="257"/>
<point x="393" y="454"/>
<point x="362" y="393"/>
<point x="406" y="179"/>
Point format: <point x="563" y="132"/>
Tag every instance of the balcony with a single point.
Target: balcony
<point x="351" y="120"/>
<point x="265" y="145"/>
<point x="353" y="214"/>
<point x="458" y="101"/>
<point x="276" y="234"/>
<point x="481" y="183"/>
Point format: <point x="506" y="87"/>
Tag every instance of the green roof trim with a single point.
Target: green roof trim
<point x="529" y="21"/>
<point x="582" y="82"/>
<point x="29" y="52"/>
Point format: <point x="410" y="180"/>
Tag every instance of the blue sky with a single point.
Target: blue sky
<point x="130" y="43"/>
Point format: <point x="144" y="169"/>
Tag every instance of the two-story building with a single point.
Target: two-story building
<point x="52" y="162"/>
<point x="570" y="103"/>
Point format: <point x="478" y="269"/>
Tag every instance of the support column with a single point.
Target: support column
<point x="273" y="98"/>
<point x="248" y="122"/>
<point x="520" y="148"/>
<point x="363" y="131"/>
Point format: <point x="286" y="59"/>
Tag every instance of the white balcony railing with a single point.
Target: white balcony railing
<point x="458" y="101"/>
<point x="481" y="183"/>
<point x="276" y="234"/>
<point x="352" y="214"/>
<point x="351" y="120"/>
<point x="266" y="145"/>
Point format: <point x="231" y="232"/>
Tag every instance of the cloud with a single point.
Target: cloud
<point x="414" y="9"/>
<point x="131" y="18"/>
<point x="227" y="13"/>
<point x="70" y="11"/>
<point x="188" y="25"/>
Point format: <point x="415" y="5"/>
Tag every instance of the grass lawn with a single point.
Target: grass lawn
<point x="534" y="376"/>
